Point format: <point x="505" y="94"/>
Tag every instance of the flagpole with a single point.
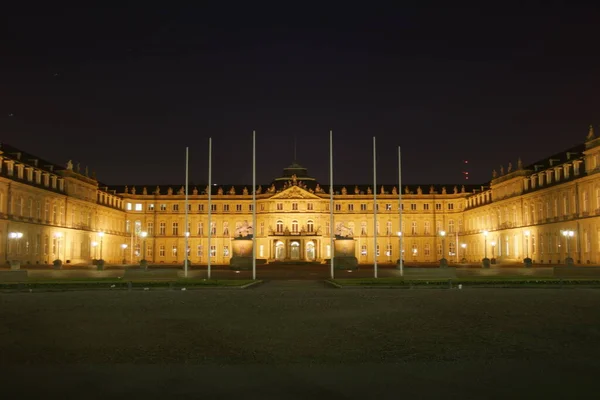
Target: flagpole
<point x="332" y="232"/>
<point x="254" y="205"/>
<point x="209" y="203"/>
<point x="186" y="233"/>
<point x="374" y="209"/>
<point x="400" y="262"/>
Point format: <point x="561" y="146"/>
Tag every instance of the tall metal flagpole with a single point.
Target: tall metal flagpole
<point x="374" y="209"/>
<point x="332" y="232"/>
<point x="400" y="262"/>
<point x="209" y="202"/>
<point x="186" y="230"/>
<point x="254" y="205"/>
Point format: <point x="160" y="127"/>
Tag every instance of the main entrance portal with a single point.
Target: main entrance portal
<point x="295" y="250"/>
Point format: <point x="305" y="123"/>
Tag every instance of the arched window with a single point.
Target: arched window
<point x="310" y="226"/>
<point x="295" y="226"/>
<point x="451" y="226"/>
<point x="388" y="228"/>
<point x="279" y="226"/>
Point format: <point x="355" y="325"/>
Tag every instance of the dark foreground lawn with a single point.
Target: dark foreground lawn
<point x="288" y="341"/>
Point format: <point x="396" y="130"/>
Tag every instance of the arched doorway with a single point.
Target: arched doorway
<point x="310" y="251"/>
<point x="280" y="251"/>
<point x="295" y="250"/>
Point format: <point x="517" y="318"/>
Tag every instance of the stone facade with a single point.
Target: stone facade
<point x="52" y="212"/>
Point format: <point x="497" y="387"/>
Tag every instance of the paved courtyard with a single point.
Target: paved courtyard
<point x="301" y="339"/>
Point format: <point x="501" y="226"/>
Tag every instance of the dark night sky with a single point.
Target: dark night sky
<point x="124" y="90"/>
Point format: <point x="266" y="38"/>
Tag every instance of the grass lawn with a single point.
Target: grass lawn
<point x="474" y="281"/>
<point x="113" y="283"/>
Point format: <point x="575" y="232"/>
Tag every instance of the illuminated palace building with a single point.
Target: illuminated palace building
<point x="547" y="211"/>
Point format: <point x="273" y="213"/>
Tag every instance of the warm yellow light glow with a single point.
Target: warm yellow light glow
<point x="94" y="244"/>
<point x="100" y="234"/>
<point x="15" y="235"/>
<point x="442" y="233"/>
<point x="527" y="233"/>
<point x="493" y="243"/>
<point x="58" y="234"/>
<point x="143" y="234"/>
<point x="123" y="246"/>
<point x="464" y="245"/>
<point x="485" y="233"/>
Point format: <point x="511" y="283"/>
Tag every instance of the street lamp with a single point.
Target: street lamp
<point x="443" y="261"/>
<point x="94" y="245"/>
<point x="124" y="246"/>
<point x="58" y="236"/>
<point x="568" y="234"/>
<point x="144" y="234"/>
<point x="101" y="234"/>
<point x="464" y="247"/>
<point x="486" y="260"/>
<point x="15" y="236"/>
<point x="493" y="244"/>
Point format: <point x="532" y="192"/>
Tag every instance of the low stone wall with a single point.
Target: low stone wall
<point x="577" y="272"/>
<point x="430" y="273"/>
<point x="13" y="276"/>
<point x="142" y="274"/>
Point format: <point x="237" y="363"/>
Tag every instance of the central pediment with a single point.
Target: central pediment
<point x="295" y="192"/>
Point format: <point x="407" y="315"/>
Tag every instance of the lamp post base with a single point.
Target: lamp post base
<point x="485" y="263"/>
<point x="443" y="263"/>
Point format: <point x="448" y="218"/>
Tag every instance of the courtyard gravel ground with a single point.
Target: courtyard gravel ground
<point x="300" y="339"/>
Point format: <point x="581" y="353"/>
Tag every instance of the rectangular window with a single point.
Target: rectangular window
<point x="200" y="207"/>
<point x="413" y="207"/>
<point x="450" y="206"/>
<point x="309" y="206"/>
<point x="199" y="251"/>
<point x="213" y="250"/>
<point x="238" y="207"/>
<point x="279" y="206"/>
<point x="150" y="207"/>
<point x="250" y="207"/>
<point x="200" y="229"/>
<point x="149" y="251"/>
<point x="363" y="249"/>
<point x="426" y="206"/>
<point x="350" y="207"/>
<point x="338" y="207"/>
<point x="363" y="207"/>
<point x="189" y="207"/>
<point x="138" y="207"/>
<point x="225" y="207"/>
<point x="163" y="207"/>
<point x="174" y="250"/>
<point x="175" y="231"/>
<point x="175" y="207"/>
<point x="294" y="206"/>
<point x="261" y="251"/>
<point x="226" y="251"/>
<point x="150" y="227"/>
<point x="213" y="207"/>
<point x="161" y="250"/>
<point x="128" y="206"/>
<point x="262" y="207"/>
<point x="438" y="206"/>
<point x="162" y="229"/>
<point x="388" y="207"/>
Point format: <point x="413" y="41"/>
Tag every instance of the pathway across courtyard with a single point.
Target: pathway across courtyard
<point x="278" y="342"/>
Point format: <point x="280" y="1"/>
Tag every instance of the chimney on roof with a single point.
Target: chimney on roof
<point x="34" y="161"/>
<point x="553" y="160"/>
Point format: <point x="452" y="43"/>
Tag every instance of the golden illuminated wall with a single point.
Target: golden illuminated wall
<point x="523" y="210"/>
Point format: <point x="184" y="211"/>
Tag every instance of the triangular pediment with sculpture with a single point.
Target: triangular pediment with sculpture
<point x="295" y="192"/>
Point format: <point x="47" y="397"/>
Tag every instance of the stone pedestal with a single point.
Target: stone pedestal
<point x="241" y="253"/>
<point x="344" y="253"/>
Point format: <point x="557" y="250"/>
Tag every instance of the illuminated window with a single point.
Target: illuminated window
<point x="138" y="207"/>
<point x="161" y="250"/>
<point x="128" y="206"/>
<point x="163" y="207"/>
<point x="175" y="207"/>
<point x="279" y="226"/>
<point x="213" y="250"/>
<point x="150" y="207"/>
